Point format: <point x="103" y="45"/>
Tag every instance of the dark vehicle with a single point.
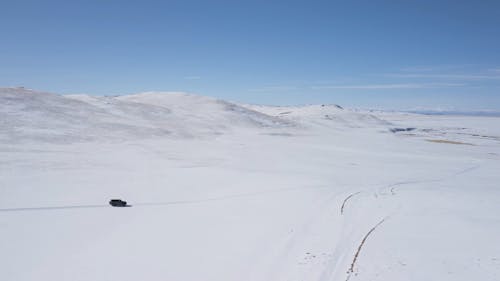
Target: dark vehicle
<point x="117" y="203"/>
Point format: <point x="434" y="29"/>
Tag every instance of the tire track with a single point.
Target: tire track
<point x="179" y="202"/>
<point x="228" y="197"/>
<point x="394" y="186"/>
<point x="356" y="255"/>
<point x="345" y="201"/>
<point x="467" y="170"/>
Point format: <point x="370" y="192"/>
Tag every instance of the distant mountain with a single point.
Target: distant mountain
<point x="326" y="115"/>
<point x="456" y="112"/>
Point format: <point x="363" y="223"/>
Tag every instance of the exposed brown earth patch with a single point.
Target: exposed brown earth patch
<point x="449" y="142"/>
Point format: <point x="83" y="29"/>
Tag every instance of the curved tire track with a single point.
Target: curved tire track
<point x="356" y="255"/>
<point x="345" y="201"/>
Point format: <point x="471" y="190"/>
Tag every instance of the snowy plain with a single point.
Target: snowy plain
<point x="225" y="191"/>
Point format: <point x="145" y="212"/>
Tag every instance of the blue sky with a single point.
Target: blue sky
<point x="372" y="54"/>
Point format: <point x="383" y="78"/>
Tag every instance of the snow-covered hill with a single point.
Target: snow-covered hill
<point x="220" y="191"/>
<point x="32" y="115"/>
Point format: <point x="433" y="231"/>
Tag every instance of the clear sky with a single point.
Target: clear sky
<point x="376" y="54"/>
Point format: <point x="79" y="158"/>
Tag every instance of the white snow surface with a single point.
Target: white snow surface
<point x="221" y="191"/>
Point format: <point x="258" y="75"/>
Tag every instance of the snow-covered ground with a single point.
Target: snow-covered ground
<point x="221" y="191"/>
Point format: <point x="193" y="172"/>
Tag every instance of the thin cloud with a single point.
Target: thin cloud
<point x="419" y="69"/>
<point x="192" y="77"/>
<point x="388" y="86"/>
<point x="273" y="89"/>
<point x="445" y="76"/>
<point x="435" y="68"/>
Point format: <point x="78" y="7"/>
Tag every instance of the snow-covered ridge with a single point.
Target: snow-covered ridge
<point x="330" y="115"/>
<point x="27" y="114"/>
<point x="32" y="115"/>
